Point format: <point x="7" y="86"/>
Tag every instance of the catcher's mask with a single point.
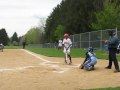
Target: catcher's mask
<point x="90" y="49"/>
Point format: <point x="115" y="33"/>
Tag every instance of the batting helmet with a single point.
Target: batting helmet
<point x="66" y="35"/>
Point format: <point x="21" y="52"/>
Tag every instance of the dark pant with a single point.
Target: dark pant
<point x="112" y="57"/>
<point x="24" y="43"/>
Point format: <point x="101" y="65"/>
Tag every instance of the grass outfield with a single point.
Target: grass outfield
<point x="53" y="52"/>
<point x="117" y="88"/>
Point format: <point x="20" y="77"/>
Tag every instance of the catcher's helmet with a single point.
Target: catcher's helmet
<point x="66" y="35"/>
<point x="90" y="49"/>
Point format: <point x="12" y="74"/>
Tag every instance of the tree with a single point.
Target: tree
<point x="42" y="29"/>
<point x="33" y="36"/>
<point x="3" y="37"/>
<point x="59" y="32"/>
<point x="108" y="18"/>
<point x="75" y="15"/>
<point x="15" y="37"/>
<point x="42" y="24"/>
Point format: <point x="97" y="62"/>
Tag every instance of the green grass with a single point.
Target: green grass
<point x="116" y="88"/>
<point x="53" y="52"/>
<point x="110" y="88"/>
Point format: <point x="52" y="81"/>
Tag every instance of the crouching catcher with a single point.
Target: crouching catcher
<point x="90" y="60"/>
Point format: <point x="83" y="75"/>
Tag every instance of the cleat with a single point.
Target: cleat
<point x="70" y="63"/>
<point x="65" y="62"/>
<point x="107" y="67"/>
<point x="116" y="71"/>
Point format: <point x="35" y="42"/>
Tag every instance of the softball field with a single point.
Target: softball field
<point x="23" y="70"/>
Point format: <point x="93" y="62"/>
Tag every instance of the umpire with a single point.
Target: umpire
<point x="112" y="46"/>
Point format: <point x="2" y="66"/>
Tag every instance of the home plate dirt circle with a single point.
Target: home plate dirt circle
<point x="24" y="70"/>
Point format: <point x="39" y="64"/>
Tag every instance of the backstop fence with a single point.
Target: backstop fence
<point x="91" y="39"/>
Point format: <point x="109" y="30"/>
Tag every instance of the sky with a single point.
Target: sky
<point x="21" y="15"/>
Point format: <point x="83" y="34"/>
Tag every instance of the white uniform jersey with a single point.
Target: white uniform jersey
<point x="67" y="44"/>
<point x="60" y="43"/>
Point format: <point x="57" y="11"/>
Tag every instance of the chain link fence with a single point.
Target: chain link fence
<point x="91" y="39"/>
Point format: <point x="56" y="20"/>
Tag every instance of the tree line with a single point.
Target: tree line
<point x="33" y="36"/>
<point x="5" y="40"/>
<point x="79" y="16"/>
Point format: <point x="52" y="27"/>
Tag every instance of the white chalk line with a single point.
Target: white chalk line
<point x="48" y="63"/>
<point x="33" y="54"/>
<point x="57" y="69"/>
<point x="17" y="68"/>
<point x="75" y="65"/>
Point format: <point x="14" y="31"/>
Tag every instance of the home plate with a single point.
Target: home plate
<point x="49" y="63"/>
<point x="54" y="66"/>
<point x="74" y="65"/>
<point x="60" y="70"/>
<point x="52" y="62"/>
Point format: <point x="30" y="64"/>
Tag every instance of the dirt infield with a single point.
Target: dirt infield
<point x="23" y="70"/>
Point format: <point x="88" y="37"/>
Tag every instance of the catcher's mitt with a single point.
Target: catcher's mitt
<point x="81" y="66"/>
<point x="118" y="51"/>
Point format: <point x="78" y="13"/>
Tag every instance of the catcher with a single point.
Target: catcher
<point x="89" y="61"/>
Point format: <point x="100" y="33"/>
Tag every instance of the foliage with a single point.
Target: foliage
<point x="3" y="37"/>
<point x="59" y="32"/>
<point x="75" y="16"/>
<point x="108" y="18"/>
<point x="33" y="36"/>
<point x="14" y="37"/>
